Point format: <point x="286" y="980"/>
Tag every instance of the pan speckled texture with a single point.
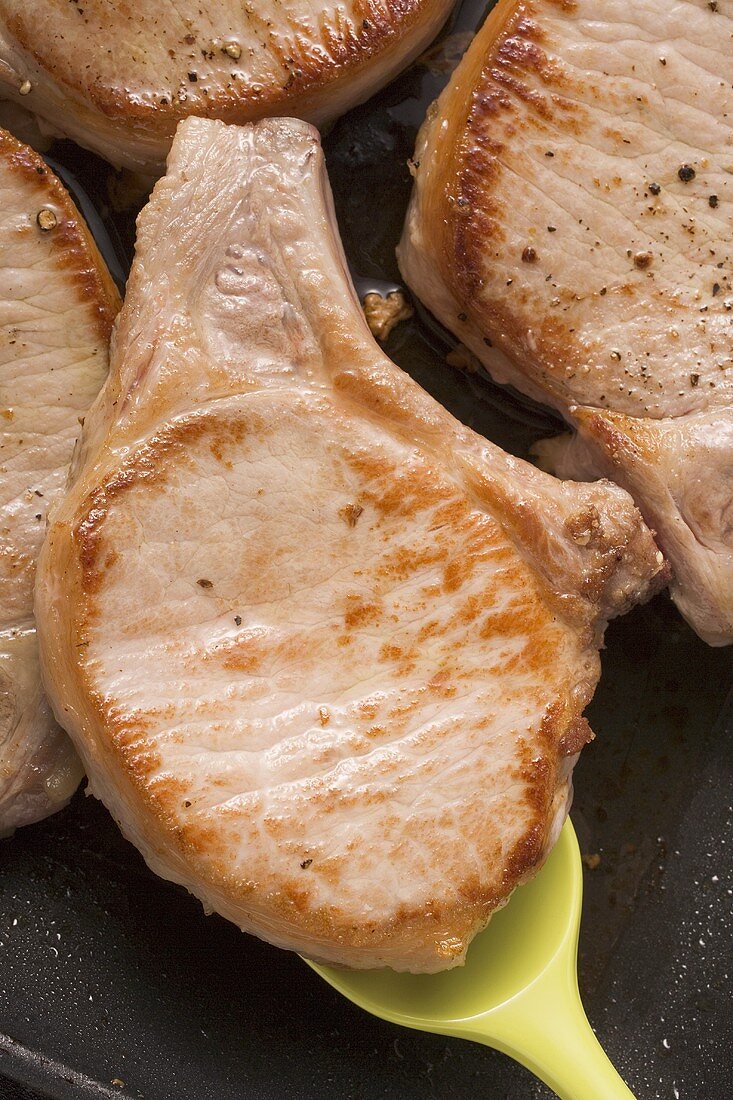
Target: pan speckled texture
<point x="110" y="974"/>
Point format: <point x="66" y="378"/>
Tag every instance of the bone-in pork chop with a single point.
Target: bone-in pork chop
<point x="571" y="223"/>
<point x="117" y="77"/>
<point x="323" y="650"/>
<point x="56" y="309"/>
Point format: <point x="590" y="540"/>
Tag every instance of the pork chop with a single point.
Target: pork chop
<point x="56" y="309"/>
<point x="571" y="223"/>
<point x="117" y="77"/>
<point x="323" y="650"/>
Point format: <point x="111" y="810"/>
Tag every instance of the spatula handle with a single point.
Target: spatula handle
<point x="546" y="1029"/>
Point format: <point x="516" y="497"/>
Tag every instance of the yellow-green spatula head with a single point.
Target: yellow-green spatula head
<point x="518" y="991"/>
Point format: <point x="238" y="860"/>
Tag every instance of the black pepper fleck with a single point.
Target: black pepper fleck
<point x="712" y="201"/>
<point x="686" y="173"/>
<point x="654" y="188"/>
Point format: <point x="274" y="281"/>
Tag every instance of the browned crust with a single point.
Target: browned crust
<point x="73" y="247"/>
<point x="503" y="53"/>
<point x="515" y="50"/>
<point x="458" y="199"/>
<point x="463" y="197"/>
<point x="507" y="94"/>
<point x="538" y="767"/>
<point x="462" y="93"/>
<point x="377" y="31"/>
<point x="539" y="764"/>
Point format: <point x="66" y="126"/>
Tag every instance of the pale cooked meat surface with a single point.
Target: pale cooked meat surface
<point x="118" y="76"/>
<point x="323" y="650"/>
<point x="56" y="309"/>
<point x="571" y="223"/>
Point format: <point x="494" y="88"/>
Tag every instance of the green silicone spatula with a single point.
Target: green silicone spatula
<point x="518" y="991"/>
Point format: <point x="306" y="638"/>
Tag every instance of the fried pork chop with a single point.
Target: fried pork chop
<point x="57" y="304"/>
<point x="117" y="77"/>
<point x="571" y="223"/>
<point x="323" y="650"/>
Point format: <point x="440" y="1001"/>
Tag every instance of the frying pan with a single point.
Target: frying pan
<point x="114" y="984"/>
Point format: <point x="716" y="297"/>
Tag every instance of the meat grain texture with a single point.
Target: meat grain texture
<point x="571" y="224"/>
<point x="323" y="650"/>
<point x="57" y="304"/>
<point x="118" y="77"/>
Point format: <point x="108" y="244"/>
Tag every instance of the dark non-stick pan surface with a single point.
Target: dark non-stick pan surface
<point x="114" y="983"/>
